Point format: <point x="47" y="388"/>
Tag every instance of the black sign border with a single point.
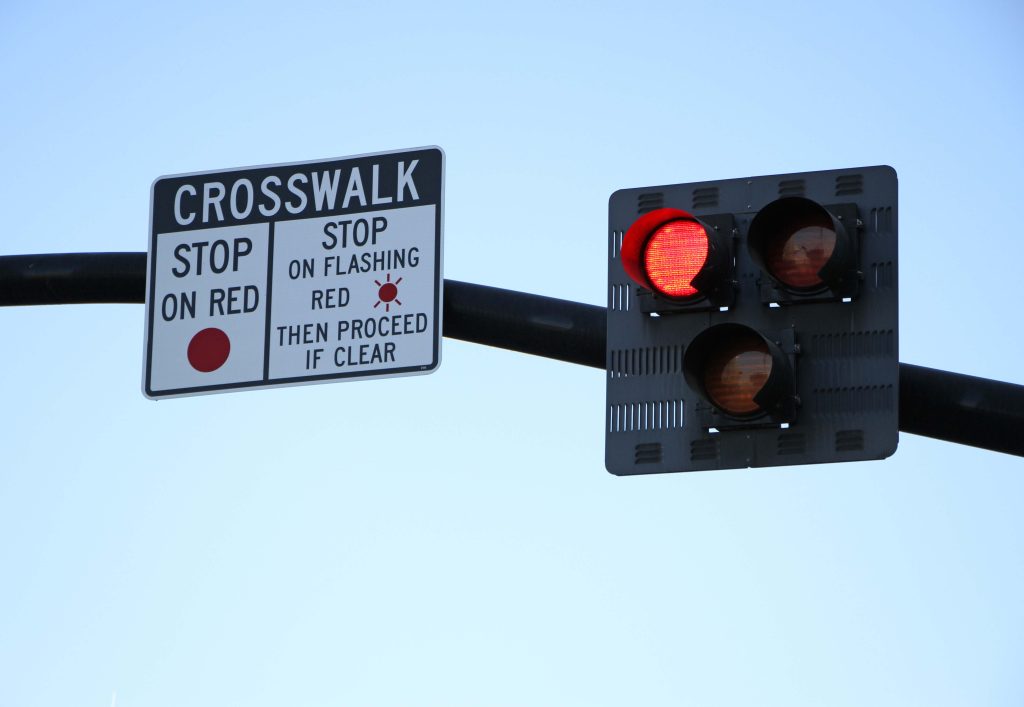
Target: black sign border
<point x="265" y="383"/>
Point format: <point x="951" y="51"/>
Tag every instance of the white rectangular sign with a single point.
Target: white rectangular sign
<point x="295" y="273"/>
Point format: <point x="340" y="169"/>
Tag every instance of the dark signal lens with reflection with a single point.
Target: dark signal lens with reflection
<point x="800" y="244"/>
<point x="742" y="373"/>
<point x="796" y="258"/>
<point x="674" y="255"/>
<point x="736" y="372"/>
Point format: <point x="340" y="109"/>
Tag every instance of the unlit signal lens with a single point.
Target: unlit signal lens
<point x="736" y="372"/>
<point x="801" y="245"/>
<point x="795" y="256"/>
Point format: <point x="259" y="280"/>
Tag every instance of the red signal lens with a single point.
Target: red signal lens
<point x="675" y="253"/>
<point x="736" y="372"/>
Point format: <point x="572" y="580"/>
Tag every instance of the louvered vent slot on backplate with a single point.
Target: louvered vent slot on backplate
<point x="645" y="416"/>
<point x="705" y="197"/>
<point x="856" y="343"/>
<point x="649" y="202"/>
<point x="615" y="244"/>
<point x="791" y="443"/>
<point x="881" y="275"/>
<point x="880" y="220"/>
<point x="849" y="184"/>
<point x="649" y="453"/>
<point x="854" y="399"/>
<point x="618" y="298"/>
<point x="704" y="449"/>
<point x="791" y="187"/>
<point x="849" y="440"/>
<point x="653" y="361"/>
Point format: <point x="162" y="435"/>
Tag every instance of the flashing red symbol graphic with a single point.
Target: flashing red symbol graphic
<point x="387" y="293"/>
<point x="208" y="350"/>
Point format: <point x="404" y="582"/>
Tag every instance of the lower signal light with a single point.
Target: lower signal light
<point x="744" y="375"/>
<point x="735" y="374"/>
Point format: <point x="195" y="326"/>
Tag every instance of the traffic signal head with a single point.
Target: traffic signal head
<point x="753" y="322"/>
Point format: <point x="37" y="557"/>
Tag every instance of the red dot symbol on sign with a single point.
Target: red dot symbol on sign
<point x="208" y="350"/>
<point x="387" y="292"/>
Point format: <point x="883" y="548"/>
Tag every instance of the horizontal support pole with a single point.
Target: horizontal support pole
<point x="73" y="278"/>
<point x="948" y="406"/>
<point x="954" y="407"/>
<point x="542" y="326"/>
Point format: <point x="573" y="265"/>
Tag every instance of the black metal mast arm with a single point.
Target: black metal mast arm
<point x="73" y="278"/>
<point x="542" y="326"/>
<point x="963" y="409"/>
<point x="947" y="406"/>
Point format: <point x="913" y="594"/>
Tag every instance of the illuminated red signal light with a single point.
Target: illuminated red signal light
<point x="801" y="245"/>
<point x="673" y="254"/>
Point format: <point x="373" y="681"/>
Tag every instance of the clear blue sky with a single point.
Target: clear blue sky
<point x="454" y="539"/>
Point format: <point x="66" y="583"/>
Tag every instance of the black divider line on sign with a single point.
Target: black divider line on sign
<point x="269" y="300"/>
